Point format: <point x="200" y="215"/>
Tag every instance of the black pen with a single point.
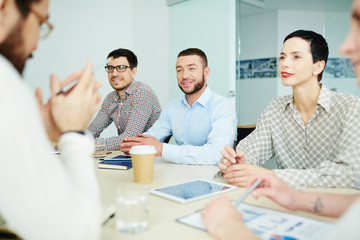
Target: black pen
<point x="111" y="216"/>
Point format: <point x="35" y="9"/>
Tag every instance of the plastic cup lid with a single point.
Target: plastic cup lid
<point x="143" y="149"/>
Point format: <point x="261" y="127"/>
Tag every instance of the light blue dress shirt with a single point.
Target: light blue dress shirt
<point x="201" y="131"/>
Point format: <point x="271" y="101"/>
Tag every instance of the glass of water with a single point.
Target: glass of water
<point x="100" y="151"/>
<point x="131" y="208"/>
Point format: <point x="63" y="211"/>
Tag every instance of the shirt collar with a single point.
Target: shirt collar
<point x="131" y="88"/>
<point x="324" y="99"/>
<point x="128" y="91"/>
<point x="202" y="100"/>
<point x="6" y="63"/>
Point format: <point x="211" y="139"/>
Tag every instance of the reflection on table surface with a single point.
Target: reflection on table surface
<point x="163" y="212"/>
<point x="194" y="189"/>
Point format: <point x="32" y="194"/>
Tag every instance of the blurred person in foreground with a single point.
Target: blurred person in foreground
<point x="44" y="196"/>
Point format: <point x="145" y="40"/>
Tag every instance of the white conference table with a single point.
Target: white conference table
<point x="163" y="212"/>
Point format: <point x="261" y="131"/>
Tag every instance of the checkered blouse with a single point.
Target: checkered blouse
<point x="323" y="153"/>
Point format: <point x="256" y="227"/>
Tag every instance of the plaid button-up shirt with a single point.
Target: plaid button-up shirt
<point x="323" y="153"/>
<point x="134" y="114"/>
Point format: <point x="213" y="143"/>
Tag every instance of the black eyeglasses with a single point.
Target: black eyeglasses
<point x="119" y="68"/>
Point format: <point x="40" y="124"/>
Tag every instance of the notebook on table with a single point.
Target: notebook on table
<point x="120" y="162"/>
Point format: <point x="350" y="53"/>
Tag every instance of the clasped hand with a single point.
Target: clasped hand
<point x="73" y="110"/>
<point x="236" y="171"/>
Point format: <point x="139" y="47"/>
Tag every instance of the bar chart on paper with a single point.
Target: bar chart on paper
<point x="271" y="224"/>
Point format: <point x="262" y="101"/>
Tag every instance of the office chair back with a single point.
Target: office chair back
<point x="243" y="131"/>
<point x="167" y="139"/>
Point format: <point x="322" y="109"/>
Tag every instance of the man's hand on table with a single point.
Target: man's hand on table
<point x="128" y="142"/>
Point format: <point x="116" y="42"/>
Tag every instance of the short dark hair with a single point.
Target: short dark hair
<point x="130" y="56"/>
<point x="194" y="51"/>
<point x="24" y="6"/>
<point x="318" y="45"/>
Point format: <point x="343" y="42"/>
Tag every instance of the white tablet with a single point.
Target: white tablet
<point x="191" y="191"/>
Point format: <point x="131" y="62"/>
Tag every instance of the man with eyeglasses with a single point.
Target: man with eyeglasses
<point x="132" y="106"/>
<point x="44" y="196"/>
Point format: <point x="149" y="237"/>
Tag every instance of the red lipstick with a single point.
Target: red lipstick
<point x="286" y="74"/>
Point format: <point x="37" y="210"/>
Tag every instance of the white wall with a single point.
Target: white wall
<point x="257" y="40"/>
<point x="151" y="43"/>
<point x="210" y="27"/>
<point x="258" y="35"/>
<point x="84" y="30"/>
<point x="337" y="26"/>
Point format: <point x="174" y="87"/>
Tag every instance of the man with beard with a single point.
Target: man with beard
<point x="44" y="196"/>
<point x="202" y="122"/>
<point x="133" y="106"/>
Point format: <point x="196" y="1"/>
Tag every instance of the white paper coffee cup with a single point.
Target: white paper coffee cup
<point x="142" y="157"/>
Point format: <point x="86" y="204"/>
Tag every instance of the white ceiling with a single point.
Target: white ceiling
<point x="302" y="5"/>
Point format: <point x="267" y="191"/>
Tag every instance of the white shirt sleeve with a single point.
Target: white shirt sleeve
<point x="43" y="196"/>
<point x="347" y="227"/>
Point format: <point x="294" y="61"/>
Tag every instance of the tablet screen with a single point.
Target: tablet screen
<point x="192" y="190"/>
